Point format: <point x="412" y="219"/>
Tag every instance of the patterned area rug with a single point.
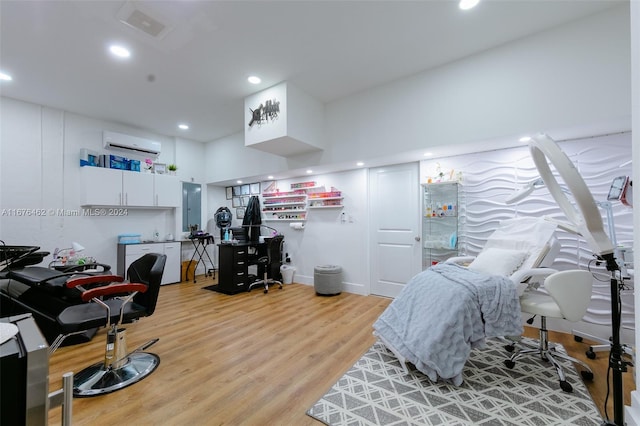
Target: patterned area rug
<point x="376" y="391"/>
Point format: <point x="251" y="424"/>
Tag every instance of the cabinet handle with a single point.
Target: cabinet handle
<point x="417" y="238"/>
<point x="126" y="199"/>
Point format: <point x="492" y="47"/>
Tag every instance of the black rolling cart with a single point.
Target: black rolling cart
<point x="200" y="243"/>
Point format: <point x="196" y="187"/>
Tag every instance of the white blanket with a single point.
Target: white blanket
<point x="444" y="312"/>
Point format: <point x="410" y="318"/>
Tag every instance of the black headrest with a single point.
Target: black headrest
<point x="148" y="270"/>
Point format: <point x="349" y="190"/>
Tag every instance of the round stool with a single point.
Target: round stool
<point x="327" y="280"/>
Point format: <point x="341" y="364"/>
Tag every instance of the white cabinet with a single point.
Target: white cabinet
<point x="167" y="190"/>
<point x="100" y="187"/>
<point x="128" y="253"/>
<point x="109" y="187"/>
<point x="172" y="272"/>
<point x="137" y="189"/>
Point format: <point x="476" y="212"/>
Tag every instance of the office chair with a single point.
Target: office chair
<point x="270" y="264"/>
<point x="127" y="303"/>
<point x="569" y="297"/>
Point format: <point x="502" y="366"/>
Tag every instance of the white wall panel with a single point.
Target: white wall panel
<point x="490" y="177"/>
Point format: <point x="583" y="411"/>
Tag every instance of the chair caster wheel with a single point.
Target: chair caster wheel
<point x="509" y="364"/>
<point x="577" y="338"/>
<point x="586" y="375"/>
<point x="590" y="354"/>
<point x="565" y="386"/>
<point x="509" y="348"/>
<point x="266" y="291"/>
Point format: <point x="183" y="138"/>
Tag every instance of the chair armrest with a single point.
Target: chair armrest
<point x="93" y="279"/>
<point x="460" y="260"/>
<point x="536" y="273"/>
<point x="112" y="289"/>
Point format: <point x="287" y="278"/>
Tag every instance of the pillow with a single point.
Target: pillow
<point x="498" y="261"/>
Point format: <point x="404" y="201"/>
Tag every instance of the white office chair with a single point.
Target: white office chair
<point x="569" y="295"/>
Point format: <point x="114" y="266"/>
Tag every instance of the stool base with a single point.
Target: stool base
<point x="98" y="380"/>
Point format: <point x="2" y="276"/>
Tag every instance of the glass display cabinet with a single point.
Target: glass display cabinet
<point x="440" y="207"/>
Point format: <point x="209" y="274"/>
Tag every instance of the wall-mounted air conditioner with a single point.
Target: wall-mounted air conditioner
<point x="114" y="140"/>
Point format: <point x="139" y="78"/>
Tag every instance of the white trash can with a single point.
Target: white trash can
<point x="287" y="273"/>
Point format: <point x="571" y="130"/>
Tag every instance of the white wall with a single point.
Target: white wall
<point x="575" y="78"/>
<point x="326" y="239"/>
<point x="39" y="169"/>
<point x="490" y="177"/>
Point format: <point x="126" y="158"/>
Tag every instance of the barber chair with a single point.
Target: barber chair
<point x="270" y="264"/>
<point x="126" y="303"/>
<point x="569" y="295"/>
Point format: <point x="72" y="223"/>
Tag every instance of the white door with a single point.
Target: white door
<point x="395" y="226"/>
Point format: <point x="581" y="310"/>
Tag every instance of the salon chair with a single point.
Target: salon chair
<point x="569" y="295"/>
<point x="270" y="264"/>
<point x="126" y="303"/>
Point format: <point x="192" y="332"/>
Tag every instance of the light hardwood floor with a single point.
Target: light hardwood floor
<point x="247" y="359"/>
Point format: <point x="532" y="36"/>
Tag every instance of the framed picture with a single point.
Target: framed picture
<point x="236" y="191"/>
<point x="159" y="168"/>
<point x="229" y="190"/>
<point x="255" y="188"/>
<point x="240" y="212"/>
<point x="269" y="186"/>
<point x="245" y="189"/>
<point x="236" y="202"/>
<point x="244" y="201"/>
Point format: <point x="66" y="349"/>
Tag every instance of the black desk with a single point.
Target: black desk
<point x="233" y="262"/>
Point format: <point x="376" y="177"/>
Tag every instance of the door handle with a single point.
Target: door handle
<point x="417" y="238"/>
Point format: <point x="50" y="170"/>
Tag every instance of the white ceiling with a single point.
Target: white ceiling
<point x="197" y="73"/>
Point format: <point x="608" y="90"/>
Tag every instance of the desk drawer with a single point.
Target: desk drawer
<point x="240" y="254"/>
<point x="239" y="278"/>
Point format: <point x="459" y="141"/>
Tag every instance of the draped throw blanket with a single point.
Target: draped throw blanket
<point x="443" y="313"/>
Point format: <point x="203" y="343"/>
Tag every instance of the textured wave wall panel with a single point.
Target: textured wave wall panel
<point x="488" y="178"/>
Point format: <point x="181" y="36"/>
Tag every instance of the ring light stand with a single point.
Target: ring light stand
<point x="585" y="221"/>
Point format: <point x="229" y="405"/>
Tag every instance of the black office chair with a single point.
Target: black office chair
<point x="270" y="264"/>
<point x="127" y="303"/>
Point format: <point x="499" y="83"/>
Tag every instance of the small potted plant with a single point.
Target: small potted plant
<point x="172" y="169"/>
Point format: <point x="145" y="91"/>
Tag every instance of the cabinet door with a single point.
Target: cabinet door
<point x="136" y="251"/>
<point x="168" y="191"/>
<point x="137" y="189"/>
<point x="172" y="266"/>
<point x="100" y="186"/>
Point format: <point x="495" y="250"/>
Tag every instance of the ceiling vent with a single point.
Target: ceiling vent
<point x="131" y="15"/>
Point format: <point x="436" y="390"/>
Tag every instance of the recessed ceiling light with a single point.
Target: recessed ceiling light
<point x="183" y="126"/>
<point x="525" y="139"/>
<point x="309" y="171"/>
<point x="5" y="76"/>
<point x="239" y="181"/>
<point x="269" y="177"/>
<point x="119" y="51"/>
<point x="359" y="164"/>
<point x="254" y="79"/>
<point x="468" y="4"/>
<point x="428" y="154"/>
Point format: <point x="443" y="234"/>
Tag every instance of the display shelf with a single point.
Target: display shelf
<point x="439" y="222"/>
<point x="338" y="206"/>
<point x="325" y="199"/>
<point x="270" y="219"/>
